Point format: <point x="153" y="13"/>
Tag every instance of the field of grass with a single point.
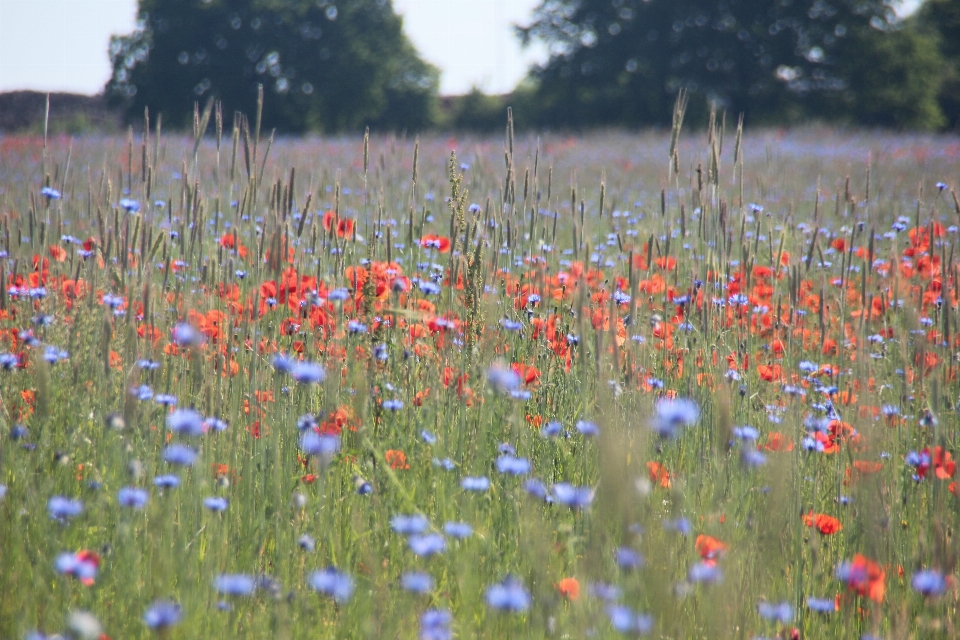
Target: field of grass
<point x="479" y="388"/>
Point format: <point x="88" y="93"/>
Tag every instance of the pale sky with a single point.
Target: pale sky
<point x="61" y="45"/>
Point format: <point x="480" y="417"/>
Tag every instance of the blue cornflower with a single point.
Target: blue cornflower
<point x="216" y="503"/>
<point x="235" y="584"/>
<point x="187" y="422"/>
<point x="133" y="497"/>
<point x="603" y="591"/>
<point x="61" y="508"/>
<point x="169" y="481"/>
<point x="622" y="298"/>
<point x="331" y="582"/>
<point x="162" y="614"/>
<point x="315" y="444"/>
<point x="364" y="488"/>
<point x="625" y="620"/>
<point x="54" y="355"/>
<point x="674" y="414"/>
<point x="180" y="454"/>
<point x="307" y="373"/>
<point x="509" y="595"/>
<point x="807" y="367"/>
<point x="80" y="566"/>
<point x="393" y="405"/>
<point x="112" y="301"/>
<point x="338" y="295"/>
<point x="129" y="205"/>
<point x="929" y="582"/>
<point x="149" y="365"/>
<point x="475" y="483"/>
<point x="512" y="465"/>
<point x="458" y="529"/>
<point x="705" y="572"/>
<point x="9" y="361"/>
<point x="511" y="325"/>
<point x="746" y="433"/>
<point x="215" y="424"/>
<point x="407" y="525"/>
<point x="429" y="288"/>
<point x="627" y="558"/>
<point x="781" y="613"/>
<point x="587" y="428"/>
<point x="427" y="544"/>
<point x="752" y="458"/>
<point x="356" y="327"/>
<point x="821" y="605"/>
<point x="503" y="379"/>
<point x="143" y="392"/>
<point x="428" y="437"/>
<point x="184" y="335"/>
<point x="307" y="543"/>
<point x="537" y="489"/>
<point x="417" y="582"/>
<point x="165" y="399"/>
<point x="571" y="496"/>
<point x="435" y="625"/>
<point x="445" y="463"/>
<point x="50" y="193"/>
<point x="306" y="421"/>
<point x="282" y="363"/>
<point x="551" y="429"/>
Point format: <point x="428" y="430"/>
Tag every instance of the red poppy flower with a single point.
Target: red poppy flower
<point x="343" y="226"/>
<point x="569" y="588"/>
<point x="659" y="474"/>
<point x="396" y="459"/>
<point x="528" y="373"/>
<point x="864" y="577"/>
<point x="827" y="525"/>
<point x="709" y="547"/>
<point x="433" y="241"/>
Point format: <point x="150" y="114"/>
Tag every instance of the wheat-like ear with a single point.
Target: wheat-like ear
<point x="679" y="110"/>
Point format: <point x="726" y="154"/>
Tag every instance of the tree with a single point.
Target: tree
<point x="941" y="18"/>
<point x="623" y="61"/>
<point x="324" y="66"/>
<point x="893" y="80"/>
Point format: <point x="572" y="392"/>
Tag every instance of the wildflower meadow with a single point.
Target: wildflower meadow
<point x="688" y="384"/>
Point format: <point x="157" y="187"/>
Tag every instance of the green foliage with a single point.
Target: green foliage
<point x="942" y="19"/>
<point x="324" y="67"/>
<point x="477" y="111"/>
<point x="894" y="79"/>
<point x="622" y="62"/>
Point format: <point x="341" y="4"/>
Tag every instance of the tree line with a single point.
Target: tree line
<point x="330" y="66"/>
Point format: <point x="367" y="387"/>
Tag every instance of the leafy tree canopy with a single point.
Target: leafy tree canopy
<point x="324" y="66"/>
<point x="941" y="18"/>
<point x="622" y="61"/>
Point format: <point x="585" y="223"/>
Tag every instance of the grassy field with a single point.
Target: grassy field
<point x="479" y="388"/>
